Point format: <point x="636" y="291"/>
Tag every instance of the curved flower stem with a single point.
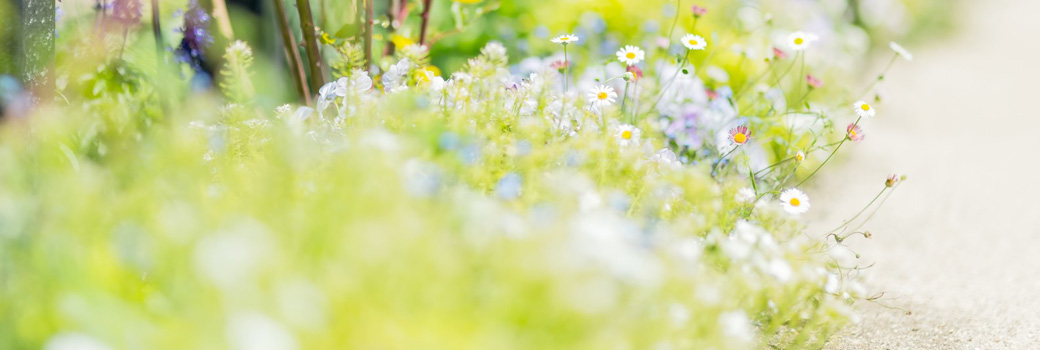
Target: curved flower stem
<point x="678" y="5"/>
<point x="878" y="207"/>
<point x="566" y="69"/>
<point x="660" y="94"/>
<point x="880" y="77"/>
<point x="785" y="160"/>
<point x="849" y="221"/>
<point x="624" y="97"/>
<point x="829" y="156"/>
<point x="716" y="165"/>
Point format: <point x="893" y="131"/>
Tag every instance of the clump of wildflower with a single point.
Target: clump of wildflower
<point x="627" y="135"/>
<point x="902" y="52"/>
<point x="813" y="82"/>
<point x="565" y="39"/>
<point x="694" y="42"/>
<point x="794" y="201"/>
<point x="630" y="55"/>
<point x="863" y="109"/>
<point x="799" y="41"/>
<point x="739" y="135"/>
<point x="197" y="38"/>
<point x="854" y="132"/>
<point x="698" y="11"/>
<point x="602" y="96"/>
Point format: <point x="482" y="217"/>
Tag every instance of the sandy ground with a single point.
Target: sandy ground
<point x="959" y="243"/>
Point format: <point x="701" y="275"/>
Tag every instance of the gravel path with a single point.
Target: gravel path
<point x="959" y="243"/>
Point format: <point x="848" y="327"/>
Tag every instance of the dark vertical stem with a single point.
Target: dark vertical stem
<point x="368" y="34"/>
<point x="310" y="43"/>
<point x="160" y="56"/>
<point x="37" y="47"/>
<point x="425" y="21"/>
<point x="292" y="52"/>
<point x="391" y="15"/>
<point x="157" y="32"/>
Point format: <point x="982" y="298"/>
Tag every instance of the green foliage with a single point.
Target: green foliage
<point x="236" y="83"/>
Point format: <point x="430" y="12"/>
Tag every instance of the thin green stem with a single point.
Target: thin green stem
<point x="678" y="5"/>
<point x="849" y="221"/>
<point x="660" y="94"/>
<point x="842" y="142"/>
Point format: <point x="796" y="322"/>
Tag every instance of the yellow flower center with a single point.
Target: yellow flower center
<point x="865" y="107"/>
<point x="739" y="138"/>
<point x="852" y="134"/>
<point x="602" y="95"/>
<point x="627" y="134"/>
<point x="693" y="42"/>
<point x="631" y="55"/>
<point x="795" y="202"/>
<point x="798" y="41"/>
<point x="799" y="157"/>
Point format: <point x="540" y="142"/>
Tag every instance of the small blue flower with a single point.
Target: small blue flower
<point x="509" y="186"/>
<point x="470" y="154"/>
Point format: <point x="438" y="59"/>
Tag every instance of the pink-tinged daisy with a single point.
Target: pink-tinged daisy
<point x="863" y="109"/>
<point x="559" y="65"/>
<point x="698" y="11"/>
<point x="854" y="132"/>
<point x="636" y="72"/>
<point x="779" y="54"/>
<point x="627" y="134"/>
<point x="893" y="180"/>
<point x="813" y="82"/>
<point x="630" y="55"/>
<point x="739" y="135"/>
<point x="794" y="201"/>
<point x="602" y="96"/>
<point x="565" y="39"/>
<point x="694" y="42"/>
<point x="712" y="94"/>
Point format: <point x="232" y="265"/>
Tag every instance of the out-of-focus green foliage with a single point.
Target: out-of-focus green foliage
<point x="501" y="204"/>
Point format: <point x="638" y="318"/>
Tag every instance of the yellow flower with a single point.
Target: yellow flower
<point x="400" y="41"/>
<point x="327" y="39"/>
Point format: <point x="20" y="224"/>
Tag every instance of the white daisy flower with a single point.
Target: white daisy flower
<point x="799" y="156"/>
<point x="799" y="41"/>
<point x="794" y="201"/>
<point x="627" y="134"/>
<point x="602" y="96"/>
<point x="694" y="42"/>
<point x="565" y="39"/>
<point x="630" y="55"/>
<point x="901" y="51"/>
<point x="746" y="195"/>
<point x="863" y="109"/>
